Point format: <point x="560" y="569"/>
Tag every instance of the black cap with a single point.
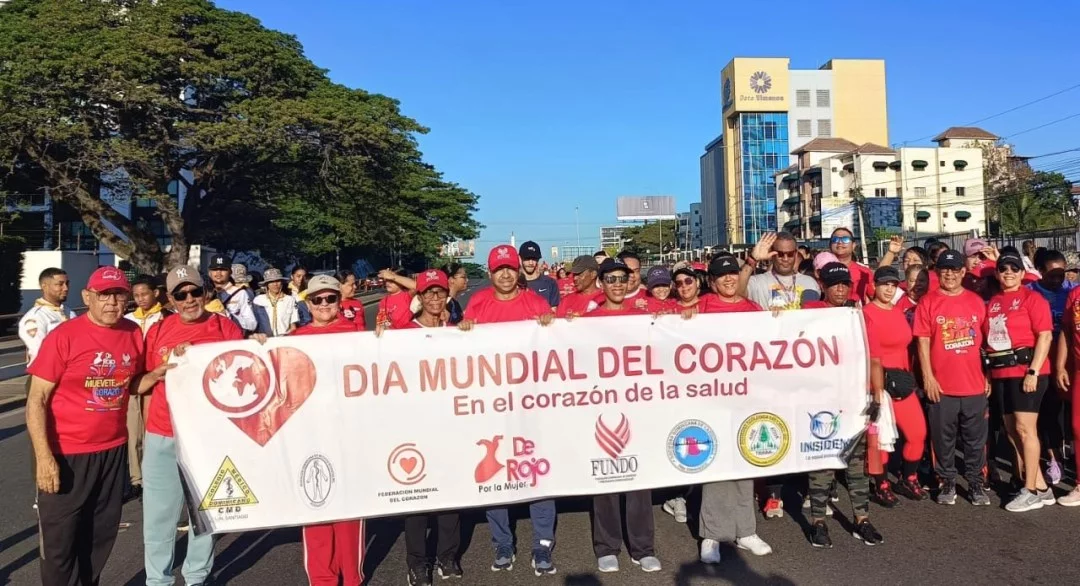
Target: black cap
<point x="610" y="265"/>
<point x="886" y="275"/>
<point x="834" y="273"/>
<point x="529" y="251"/>
<point x="950" y="259"/>
<point x="723" y="265"/>
<point x="220" y="261"/>
<point x="1010" y="259"/>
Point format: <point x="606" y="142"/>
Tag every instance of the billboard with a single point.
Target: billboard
<point x="458" y="249"/>
<point x="632" y="208"/>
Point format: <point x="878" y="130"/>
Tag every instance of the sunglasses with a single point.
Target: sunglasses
<point x="324" y="300"/>
<point x="787" y="253"/>
<point x="1010" y="269"/>
<point x="841" y="240"/>
<point x="613" y="279"/>
<point x="197" y="292"/>
<point x="685" y="282"/>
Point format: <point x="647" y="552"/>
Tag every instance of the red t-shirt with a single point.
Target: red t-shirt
<point x="626" y="309"/>
<point x="654" y="305"/>
<point x="1070" y="323"/>
<point x="525" y="306"/>
<point x="715" y="304"/>
<point x="167" y="334"/>
<point x="888" y="335"/>
<point x="566" y="286"/>
<point x="395" y="308"/>
<point x="954" y="325"/>
<point x="92" y="367"/>
<point x="1014" y="320"/>
<point x="576" y="303"/>
<point x="353" y="311"/>
<point x="862" y="282"/>
<point x="339" y="326"/>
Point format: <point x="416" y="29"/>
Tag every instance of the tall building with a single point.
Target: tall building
<point x="770" y="110"/>
<point x="713" y="208"/>
<point x="611" y="237"/>
<point x="688" y="235"/>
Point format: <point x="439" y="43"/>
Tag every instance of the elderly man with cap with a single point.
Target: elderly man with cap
<point x="948" y="325"/>
<point x="585" y="292"/>
<point x="275" y="310"/>
<point x="76" y="416"/>
<point x="229" y="280"/>
<point x="536" y="280"/>
<point x="163" y="493"/>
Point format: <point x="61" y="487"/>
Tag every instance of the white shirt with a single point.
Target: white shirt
<point x="239" y="306"/>
<point x="282" y="314"/>
<point x="145" y="320"/>
<point x="37" y="322"/>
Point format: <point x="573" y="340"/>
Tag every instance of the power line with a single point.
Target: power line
<point x="1069" y="117"/>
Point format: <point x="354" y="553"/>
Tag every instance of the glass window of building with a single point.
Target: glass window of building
<point x="881" y="192"/>
<point x="960" y="191"/>
<point x="823" y="98"/>
<point x="920" y="192"/>
<point x="764" y="152"/>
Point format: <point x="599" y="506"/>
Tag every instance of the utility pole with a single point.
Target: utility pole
<point x="577" y="225"/>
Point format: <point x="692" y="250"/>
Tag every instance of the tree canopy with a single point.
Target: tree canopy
<point x="108" y="99"/>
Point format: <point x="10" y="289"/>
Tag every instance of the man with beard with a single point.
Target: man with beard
<point x="782" y="287"/>
<point x="47" y="313"/>
<point x="536" y="280"/>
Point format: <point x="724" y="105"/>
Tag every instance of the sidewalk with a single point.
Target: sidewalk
<point x="12" y="393"/>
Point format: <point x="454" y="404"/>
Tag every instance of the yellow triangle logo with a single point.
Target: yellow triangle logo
<point x="229" y="489"/>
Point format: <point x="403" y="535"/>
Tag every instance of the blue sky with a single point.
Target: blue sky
<point x="541" y="107"/>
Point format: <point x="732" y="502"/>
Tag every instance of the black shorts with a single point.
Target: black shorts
<point x="1011" y="398"/>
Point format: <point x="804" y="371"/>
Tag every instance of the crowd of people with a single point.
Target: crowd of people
<point x="970" y="351"/>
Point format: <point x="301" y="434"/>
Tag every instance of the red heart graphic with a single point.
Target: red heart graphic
<point x="408" y="464"/>
<point x="294" y="374"/>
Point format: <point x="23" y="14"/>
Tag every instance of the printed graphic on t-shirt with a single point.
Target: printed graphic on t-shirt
<point x="784" y="298"/>
<point x="958" y="333"/>
<point x="105" y="384"/>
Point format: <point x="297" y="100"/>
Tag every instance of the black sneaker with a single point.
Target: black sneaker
<point x="883" y="495"/>
<point x="819" y="536"/>
<point x="420" y="576"/>
<point x="133" y="492"/>
<point x="834" y="492"/>
<point x="867" y="533"/>
<point x="909" y="488"/>
<point x="448" y="569"/>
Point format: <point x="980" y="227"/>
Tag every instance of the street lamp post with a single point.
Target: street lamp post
<point x="577" y="225"/>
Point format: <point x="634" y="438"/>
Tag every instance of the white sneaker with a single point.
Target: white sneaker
<point x="676" y="507"/>
<point x="1070" y="500"/>
<point x="608" y="563"/>
<point x="710" y="551"/>
<point x="754" y="545"/>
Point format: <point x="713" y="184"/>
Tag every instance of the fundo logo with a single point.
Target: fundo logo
<point x="259" y="398"/>
<point x="824" y="425"/>
<point x="523" y="468"/>
<point x="613" y="441"/>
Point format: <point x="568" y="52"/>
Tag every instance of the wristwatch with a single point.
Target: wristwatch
<point x="1031" y="372"/>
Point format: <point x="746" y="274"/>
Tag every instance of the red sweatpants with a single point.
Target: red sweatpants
<point x="332" y="550"/>
<point x="912" y="425"/>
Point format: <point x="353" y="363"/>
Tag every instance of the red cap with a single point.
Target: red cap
<point x="503" y="255"/>
<point x="108" y="279"/>
<point x="431" y="278"/>
<point x="699" y="266"/>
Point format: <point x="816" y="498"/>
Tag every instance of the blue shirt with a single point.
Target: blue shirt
<point x="1056" y="299"/>
<point x="547" y="288"/>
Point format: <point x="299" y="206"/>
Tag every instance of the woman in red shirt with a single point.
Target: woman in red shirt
<point x="1019" y="329"/>
<point x="888" y="333"/>
<point x="687" y="287"/>
<point x="351" y="308"/>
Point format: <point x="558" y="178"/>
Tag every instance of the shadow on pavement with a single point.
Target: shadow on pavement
<point x="23" y="560"/>
<point x="248" y="549"/>
<point x="732" y="569"/>
<point x="17" y="538"/>
<point x="12" y="431"/>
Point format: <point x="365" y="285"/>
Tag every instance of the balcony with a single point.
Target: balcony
<point x="791" y="201"/>
<point x="815" y="190"/>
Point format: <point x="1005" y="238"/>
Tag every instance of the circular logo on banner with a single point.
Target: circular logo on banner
<point x="763" y="439"/>
<point x="316" y="480"/>
<point x="824" y="424"/>
<point x="406" y="464"/>
<point x="760" y="82"/>
<point x="237" y="382"/>
<point x="691" y="446"/>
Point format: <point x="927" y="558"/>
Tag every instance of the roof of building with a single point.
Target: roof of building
<point x="790" y="169"/>
<point x="966" y="132"/>
<point x="869" y="148"/>
<point x="827" y="145"/>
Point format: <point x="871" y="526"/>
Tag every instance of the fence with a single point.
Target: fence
<point x="1064" y="240"/>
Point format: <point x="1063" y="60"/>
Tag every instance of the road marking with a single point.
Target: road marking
<point x="12" y="413"/>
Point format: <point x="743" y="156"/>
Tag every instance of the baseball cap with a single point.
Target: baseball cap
<point x="824" y="258"/>
<point x="503" y="255"/>
<point x="182" y="275"/>
<point x="973" y="246"/>
<point x="322" y="283"/>
<point x="698" y="266"/>
<point x="220" y="261"/>
<point x="271" y="275"/>
<point x="835" y="273"/>
<point x="431" y="278"/>
<point x="950" y="259"/>
<point x="657" y="277"/>
<point x="723" y="265"/>
<point x="886" y="275"/>
<point x="108" y="279"/>
<point x="1010" y="259"/>
<point x="583" y="263"/>
<point x="610" y="265"/>
<point x="530" y="251"/>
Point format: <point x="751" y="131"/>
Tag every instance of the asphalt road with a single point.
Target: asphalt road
<point x="924" y="543"/>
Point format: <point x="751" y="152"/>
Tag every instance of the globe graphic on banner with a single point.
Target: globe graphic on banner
<point x="237" y="382"/>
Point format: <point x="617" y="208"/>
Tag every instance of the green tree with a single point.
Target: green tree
<point x="1040" y="201"/>
<point x="128" y="96"/>
<point x="646" y="239"/>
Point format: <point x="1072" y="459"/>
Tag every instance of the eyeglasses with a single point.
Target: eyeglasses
<point x="110" y="295"/>
<point x="841" y="240"/>
<point x="435" y="293"/>
<point x="324" y="300"/>
<point x="197" y="292"/>
<point x="685" y="282"/>
<point x="786" y="253"/>
<point x="613" y="279"/>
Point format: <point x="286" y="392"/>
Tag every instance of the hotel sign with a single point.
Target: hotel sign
<point x="755" y="85"/>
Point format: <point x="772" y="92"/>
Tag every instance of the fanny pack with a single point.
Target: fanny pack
<point x="899" y="383"/>
<point x="1009" y="358"/>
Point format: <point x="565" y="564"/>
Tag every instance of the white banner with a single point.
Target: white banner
<point x="318" y="428"/>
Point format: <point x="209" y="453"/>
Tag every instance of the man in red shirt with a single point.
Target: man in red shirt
<point x="585" y="289"/>
<point x="949" y="328"/>
<point x="163" y="494"/>
<point x="507" y="302"/>
<point x="76" y="416"/>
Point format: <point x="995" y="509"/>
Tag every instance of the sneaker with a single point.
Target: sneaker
<point x="883" y="495"/>
<point x="648" y="563"/>
<point x="1025" y="501"/>
<point x="867" y="533"/>
<point x="947" y="493"/>
<point x="1053" y="472"/>
<point x="448" y="569"/>
<point x="806" y="505"/>
<point x="1070" y="500"/>
<point x="133" y="492"/>
<point x="834" y="494"/>
<point x="183" y="526"/>
<point x="819" y="536"/>
<point x="419" y="576"/>
<point x="774" y="508"/>
<point x="754" y="545"/>
<point x="541" y="560"/>
<point x="979" y="497"/>
<point x="608" y="563"/>
<point x="1047" y="497"/>
<point x="504" y="559"/>
<point x="710" y="551"/>
<point x="676" y="507"/>
<point x="909" y="488"/>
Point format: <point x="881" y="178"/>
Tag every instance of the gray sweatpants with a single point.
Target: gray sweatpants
<point x="727" y="510"/>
